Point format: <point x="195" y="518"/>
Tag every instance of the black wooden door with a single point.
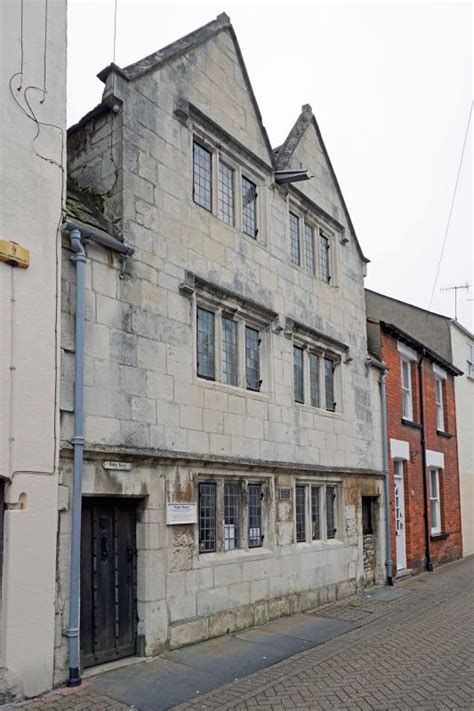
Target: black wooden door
<point x="108" y="580"/>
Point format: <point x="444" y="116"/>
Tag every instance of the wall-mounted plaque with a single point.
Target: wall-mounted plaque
<point x="181" y="513"/>
<point x="118" y="466"/>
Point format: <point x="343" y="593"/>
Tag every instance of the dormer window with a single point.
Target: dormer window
<point x="310" y="246"/>
<point x="202" y="176"/>
<point x="249" y="207"/>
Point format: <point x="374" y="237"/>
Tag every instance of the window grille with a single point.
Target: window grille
<point x="249" y="207"/>
<point x="329" y="384"/>
<point x="202" y="176"/>
<point x="205" y="344"/>
<point x="324" y="258"/>
<point x="255" y="515"/>
<point x="207" y="518"/>
<point x="231" y="516"/>
<point x="294" y="231"/>
<point x="252" y="358"/>
<point x="226" y="193"/>
<point x="229" y="352"/>
<point x="309" y="248"/>
<point x="315" y="514"/>
<point x="330" y="511"/>
<point x="314" y="379"/>
<point x="298" y="374"/>
<point x="300" y="513"/>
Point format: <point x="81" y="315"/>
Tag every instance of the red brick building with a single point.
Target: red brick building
<point x="422" y="449"/>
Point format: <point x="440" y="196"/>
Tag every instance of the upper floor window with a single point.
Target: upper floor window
<point x="407" y="395"/>
<point x="310" y="262"/>
<point x="470" y="359"/>
<point x="324" y="257"/>
<point x="316" y="512"/>
<point x="205" y="344"/>
<point x="439" y="405"/>
<point x="202" y="176"/>
<point x="252" y="358"/>
<point x="314" y="380"/>
<point x="222" y="186"/>
<point x="435" y="501"/>
<point x="294" y="229"/>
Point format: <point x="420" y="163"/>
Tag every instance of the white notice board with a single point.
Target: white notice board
<point x="181" y="513"/>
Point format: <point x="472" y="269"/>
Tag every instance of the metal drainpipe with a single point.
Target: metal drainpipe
<point x="429" y="564"/>
<point x="79" y="259"/>
<point x="386" y="480"/>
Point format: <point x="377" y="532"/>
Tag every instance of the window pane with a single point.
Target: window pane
<point x="202" y="178"/>
<point x="315" y="514"/>
<point x="207" y="518"/>
<point x="407" y="408"/>
<point x="226" y="193"/>
<point x="329" y="384"/>
<point x="255" y="515"/>
<point x="324" y="258"/>
<point x="300" y="513"/>
<point x="367" y="525"/>
<point x="294" y="230"/>
<point x="205" y="344"/>
<point x="229" y="351"/>
<point x="231" y="516"/>
<point x="298" y="376"/>
<point x="439" y="405"/>
<point x="252" y="358"/>
<point x="309" y="248"/>
<point x="249" y="207"/>
<point x="330" y="511"/>
<point x="314" y="379"/>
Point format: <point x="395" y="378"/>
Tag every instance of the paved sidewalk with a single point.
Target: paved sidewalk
<point x="409" y="647"/>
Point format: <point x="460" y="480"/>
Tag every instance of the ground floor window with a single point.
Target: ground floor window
<point x="316" y="512"/>
<point x="231" y="515"/>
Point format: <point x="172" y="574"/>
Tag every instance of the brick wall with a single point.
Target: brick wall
<point x="450" y="547"/>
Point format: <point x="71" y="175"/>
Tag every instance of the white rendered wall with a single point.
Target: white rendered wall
<point x="31" y="179"/>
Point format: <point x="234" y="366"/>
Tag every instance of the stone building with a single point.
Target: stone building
<point x="422" y="433"/>
<point x="32" y="169"/>
<point x="231" y="420"/>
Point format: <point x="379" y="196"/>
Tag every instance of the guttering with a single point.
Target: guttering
<point x="386" y="480"/>
<point x="429" y="563"/>
<point x="94" y="234"/>
<point x="79" y="259"/>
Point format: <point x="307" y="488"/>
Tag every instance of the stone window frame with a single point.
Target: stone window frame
<point x="241" y="168"/>
<point x="319" y="228"/>
<point x="322" y="485"/>
<point x="243" y="482"/>
<point x="323" y="354"/>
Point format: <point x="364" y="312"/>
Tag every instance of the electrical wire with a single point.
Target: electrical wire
<point x="452" y="205"/>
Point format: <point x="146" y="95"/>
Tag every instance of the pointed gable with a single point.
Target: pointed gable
<point x="208" y="69"/>
<point x="304" y="148"/>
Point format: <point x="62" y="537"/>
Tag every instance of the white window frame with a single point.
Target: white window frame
<point x="435" y="500"/>
<point x="470" y="359"/>
<point x="241" y="169"/>
<point x="439" y="398"/>
<point x="322" y="486"/>
<point x="407" y="390"/>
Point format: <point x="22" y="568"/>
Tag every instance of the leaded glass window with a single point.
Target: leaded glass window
<point x="249" y="207"/>
<point x="315" y="514"/>
<point x="255" y="515"/>
<point x="309" y="248"/>
<point x="252" y="358"/>
<point x="294" y="232"/>
<point x="324" y="247"/>
<point x="229" y="352"/>
<point x="298" y="374"/>
<point x="314" y="380"/>
<point x="207" y="518"/>
<point x="331" y="511"/>
<point x="226" y="193"/>
<point x="202" y="176"/>
<point x="205" y="344"/>
<point x="329" y="384"/>
<point x="231" y="516"/>
<point x="300" y="514"/>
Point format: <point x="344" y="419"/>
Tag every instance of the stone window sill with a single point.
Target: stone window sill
<point x="410" y="423"/>
<point x="441" y="433"/>
<point x="439" y="536"/>
<point x="238" y="555"/>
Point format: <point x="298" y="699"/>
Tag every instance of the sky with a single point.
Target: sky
<point x="391" y="85"/>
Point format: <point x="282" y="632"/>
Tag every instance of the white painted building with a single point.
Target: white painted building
<point x="232" y="424"/>
<point x="33" y="71"/>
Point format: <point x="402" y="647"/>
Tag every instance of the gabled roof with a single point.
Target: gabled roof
<point x="285" y="152"/>
<point x="181" y="47"/>
<point x="405" y="337"/>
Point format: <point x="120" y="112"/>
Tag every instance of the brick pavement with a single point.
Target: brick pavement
<point x="414" y="652"/>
